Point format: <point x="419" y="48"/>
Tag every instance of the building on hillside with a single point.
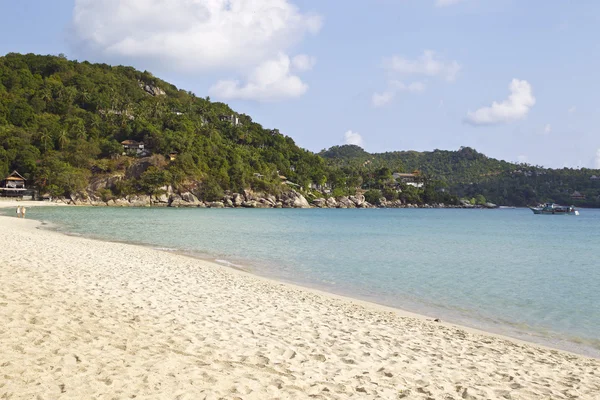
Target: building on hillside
<point x="412" y="179"/>
<point x="173" y="156"/>
<point x="595" y="178"/>
<point x="577" y="196"/>
<point x="321" y="188"/>
<point x="14" y="185"/>
<point x="232" y="119"/>
<point x="133" y="148"/>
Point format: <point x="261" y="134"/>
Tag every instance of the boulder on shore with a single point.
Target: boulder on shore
<point x="320" y="203"/>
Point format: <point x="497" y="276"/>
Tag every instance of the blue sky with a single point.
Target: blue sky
<point x="517" y="80"/>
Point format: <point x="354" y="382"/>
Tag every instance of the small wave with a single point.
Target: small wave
<point x="165" y="249"/>
<point x="230" y="264"/>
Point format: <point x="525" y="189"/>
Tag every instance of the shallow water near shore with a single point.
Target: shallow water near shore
<point x="507" y="271"/>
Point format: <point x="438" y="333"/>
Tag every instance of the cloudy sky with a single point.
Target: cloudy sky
<point x="516" y="80"/>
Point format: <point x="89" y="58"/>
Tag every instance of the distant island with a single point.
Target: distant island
<point x="111" y="135"/>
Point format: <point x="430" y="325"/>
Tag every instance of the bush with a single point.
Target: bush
<point x="105" y="194"/>
<point x="210" y="190"/>
<point x="339" y="192"/>
<point x="390" y="194"/>
<point x="153" y="179"/>
<point x="373" y="196"/>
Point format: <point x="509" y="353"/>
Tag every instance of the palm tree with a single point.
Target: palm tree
<point x="46" y="95"/>
<point x="84" y="96"/>
<point x="45" y="138"/>
<point x="62" y="138"/>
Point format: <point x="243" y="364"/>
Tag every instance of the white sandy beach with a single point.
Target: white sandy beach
<point x="84" y="319"/>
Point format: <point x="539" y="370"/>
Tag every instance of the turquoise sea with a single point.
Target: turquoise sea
<point x="508" y="271"/>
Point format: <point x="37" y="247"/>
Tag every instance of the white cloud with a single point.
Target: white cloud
<point x="353" y="138"/>
<point x="597" y="160"/>
<point x="572" y="110"/>
<point x="394" y="87"/>
<point x="516" y="107"/>
<point x="303" y="62"/>
<point x="414" y="87"/>
<point x="193" y="35"/>
<point x="548" y="129"/>
<point x="270" y="81"/>
<point x="381" y="99"/>
<point x="444" y="3"/>
<point x="428" y="64"/>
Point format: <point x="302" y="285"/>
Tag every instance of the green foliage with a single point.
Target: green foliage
<point x="59" y="178"/>
<point x="372" y="196"/>
<point x="61" y="122"/>
<point x="390" y="194"/>
<point x="210" y="190"/>
<point x="479" y="200"/>
<point x="80" y="112"/>
<point x="153" y="179"/>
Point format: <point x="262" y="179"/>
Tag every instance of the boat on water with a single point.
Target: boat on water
<point x="554" y="209"/>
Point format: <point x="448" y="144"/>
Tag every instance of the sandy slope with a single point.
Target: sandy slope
<point x="83" y="319"/>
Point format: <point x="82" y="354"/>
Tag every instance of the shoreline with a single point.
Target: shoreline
<point x="574" y="345"/>
<point x="135" y="316"/>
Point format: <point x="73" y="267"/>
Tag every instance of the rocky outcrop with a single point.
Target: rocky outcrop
<point x="319" y="203"/>
<point x="151" y="89"/>
<point x="238" y="199"/>
<point x="140" y="166"/>
<point x="185" y="199"/>
<point x="161" y="199"/>
<point x="103" y="182"/>
<point x="168" y="197"/>
<point x="359" y="200"/>
<point x="293" y="199"/>
<point x="139" y="201"/>
<point x="345" y="202"/>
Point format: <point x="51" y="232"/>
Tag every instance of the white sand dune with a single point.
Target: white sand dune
<point x="84" y="319"/>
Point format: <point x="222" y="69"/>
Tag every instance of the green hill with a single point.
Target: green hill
<point x="62" y="124"/>
<point x="468" y="174"/>
<point x="62" y="121"/>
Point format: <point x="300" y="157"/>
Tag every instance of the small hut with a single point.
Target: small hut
<point x="577" y="196"/>
<point x="134" y="148"/>
<point x="13" y="185"/>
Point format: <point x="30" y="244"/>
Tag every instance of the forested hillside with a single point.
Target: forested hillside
<point x="62" y="121"/>
<point x="468" y="174"/>
<point x="62" y="124"/>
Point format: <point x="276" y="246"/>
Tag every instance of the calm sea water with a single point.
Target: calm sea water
<point x="534" y="277"/>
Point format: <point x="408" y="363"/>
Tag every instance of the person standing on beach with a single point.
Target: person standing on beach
<point x="23" y="209"/>
<point x="18" y="211"/>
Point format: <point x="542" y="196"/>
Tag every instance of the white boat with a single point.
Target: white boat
<point x="554" y="209"/>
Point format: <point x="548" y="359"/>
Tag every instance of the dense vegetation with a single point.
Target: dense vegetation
<point x="61" y="124"/>
<point x="469" y="174"/>
<point x="62" y="121"/>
